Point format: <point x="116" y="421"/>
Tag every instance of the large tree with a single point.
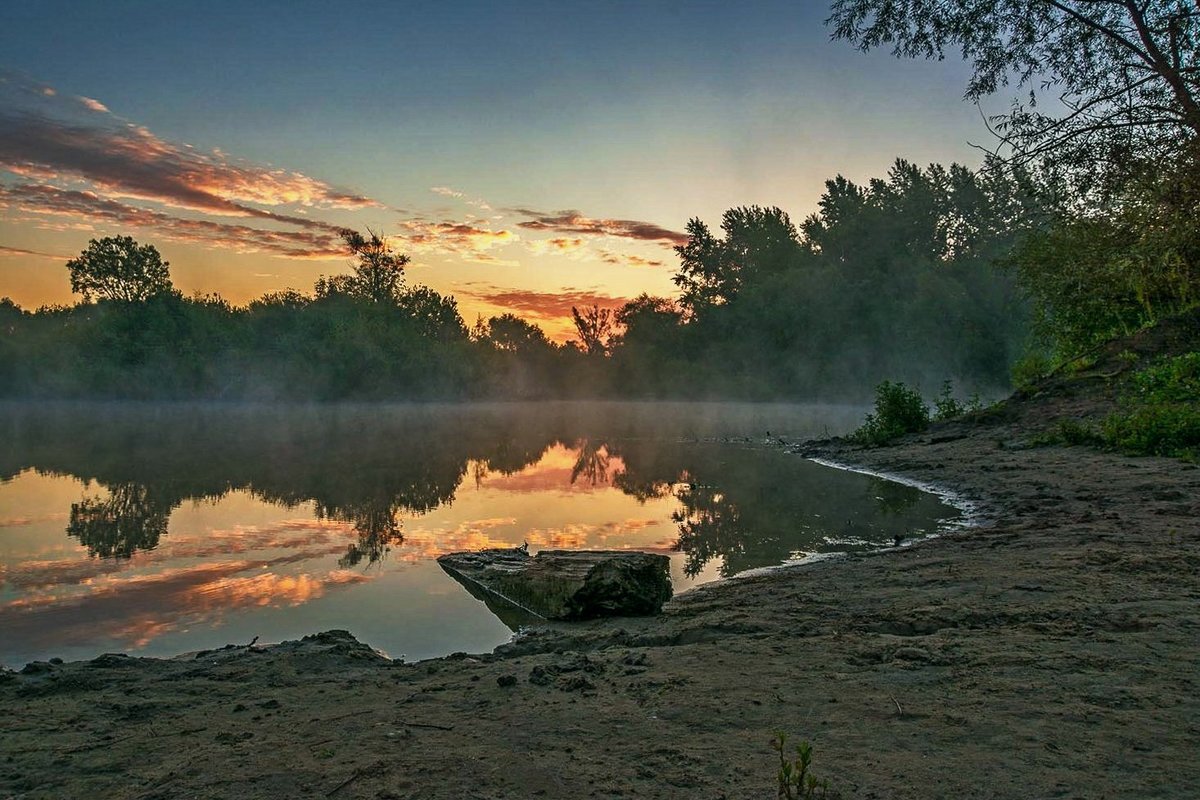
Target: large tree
<point x="118" y="268"/>
<point x="1106" y="83"/>
<point x="757" y="242"/>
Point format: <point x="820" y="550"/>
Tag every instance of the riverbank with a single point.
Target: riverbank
<point x="1050" y="651"/>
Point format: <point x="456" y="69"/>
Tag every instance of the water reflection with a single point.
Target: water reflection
<point x="130" y="518"/>
<point x="175" y="530"/>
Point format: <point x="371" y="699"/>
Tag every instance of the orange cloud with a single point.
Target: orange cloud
<point x="446" y="191"/>
<point x="133" y="609"/>
<point x="578" y="536"/>
<point x="459" y="238"/>
<point x="628" y="259"/>
<point x="574" y="222"/>
<point x="127" y="160"/>
<point x="87" y="208"/>
<point x="560" y="244"/>
<point x="17" y="251"/>
<point x="421" y="544"/>
<point x="264" y="589"/>
<point x="546" y="305"/>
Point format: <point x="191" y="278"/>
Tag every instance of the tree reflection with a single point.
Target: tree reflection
<point x="710" y="526"/>
<point x="747" y="508"/>
<point x="127" y="520"/>
<point x="367" y="467"/>
<point x="373" y="467"/>
<point x="591" y="462"/>
<point x="377" y="527"/>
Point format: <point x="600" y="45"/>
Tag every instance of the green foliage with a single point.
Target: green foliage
<point x="118" y="268"/>
<point x="1170" y="429"/>
<point x="899" y="410"/>
<point x="1167" y="380"/>
<point x="1068" y="432"/>
<point x="795" y="778"/>
<point x="1095" y="277"/>
<point x="1031" y="368"/>
<point x="1127" y="74"/>
<point x="865" y="289"/>
<point x="1160" y="411"/>
<point x="1159" y="414"/>
<point x="757" y="242"/>
<point x="947" y="406"/>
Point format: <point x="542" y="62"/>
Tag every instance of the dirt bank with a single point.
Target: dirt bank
<point x="1050" y="652"/>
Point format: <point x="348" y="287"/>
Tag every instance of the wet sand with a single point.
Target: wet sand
<point x="1050" y="651"/>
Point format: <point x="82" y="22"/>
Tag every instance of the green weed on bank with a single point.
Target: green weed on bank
<point x="1160" y="411"/>
<point x="1159" y="414"/>
<point x="898" y="410"/>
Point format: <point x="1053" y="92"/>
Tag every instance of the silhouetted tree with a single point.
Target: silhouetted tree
<point x="118" y="268"/>
<point x="512" y="334"/>
<point x="594" y="326"/>
<point x="757" y="242"/>
<point x="378" y="270"/>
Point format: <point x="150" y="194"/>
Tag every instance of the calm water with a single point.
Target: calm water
<point x="160" y="530"/>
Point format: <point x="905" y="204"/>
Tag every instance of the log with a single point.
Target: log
<point x="567" y="584"/>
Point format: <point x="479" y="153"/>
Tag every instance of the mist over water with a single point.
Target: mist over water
<point x="161" y="529"/>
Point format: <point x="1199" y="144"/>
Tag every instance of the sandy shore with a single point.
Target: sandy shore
<point x="1051" y="651"/>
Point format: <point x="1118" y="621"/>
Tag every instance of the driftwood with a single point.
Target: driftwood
<point x="564" y="584"/>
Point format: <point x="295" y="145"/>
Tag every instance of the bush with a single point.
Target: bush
<point x="947" y="406"/>
<point x="1160" y="411"/>
<point x="1030" y="369"/>
<point x="1171" y="429"/>
<point x="898" y="410"/>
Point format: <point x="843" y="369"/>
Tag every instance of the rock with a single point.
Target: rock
<point x="542" y="676"/>
<point x="566" y="584"/>
<point x="507" y="680"/>
<point x="576" y="683"/>
<point x="36" y="668"/>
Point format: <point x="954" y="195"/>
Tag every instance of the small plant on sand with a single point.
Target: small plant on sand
<point x="898" y="410"/>
<point x="947" y="406"/>
<point x="796" y="781"/>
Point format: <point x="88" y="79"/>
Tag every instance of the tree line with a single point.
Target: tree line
<point x="891" y="278"/>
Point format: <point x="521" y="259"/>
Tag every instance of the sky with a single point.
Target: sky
<point x="528" y="156"/>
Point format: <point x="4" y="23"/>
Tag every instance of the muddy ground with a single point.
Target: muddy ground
<point x="1052" y="651"/>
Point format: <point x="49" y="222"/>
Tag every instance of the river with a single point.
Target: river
<point x="162" y="529"/>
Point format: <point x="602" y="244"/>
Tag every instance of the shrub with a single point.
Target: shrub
<point x="947" y="406"/>
<point x="1160" y="411"/>
<point x="1034" y="366"/>
<point x="898" y="410"/>
<point x="1169" y="429"/>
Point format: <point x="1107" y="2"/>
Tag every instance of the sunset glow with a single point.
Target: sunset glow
<point x="524" y="166"/>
